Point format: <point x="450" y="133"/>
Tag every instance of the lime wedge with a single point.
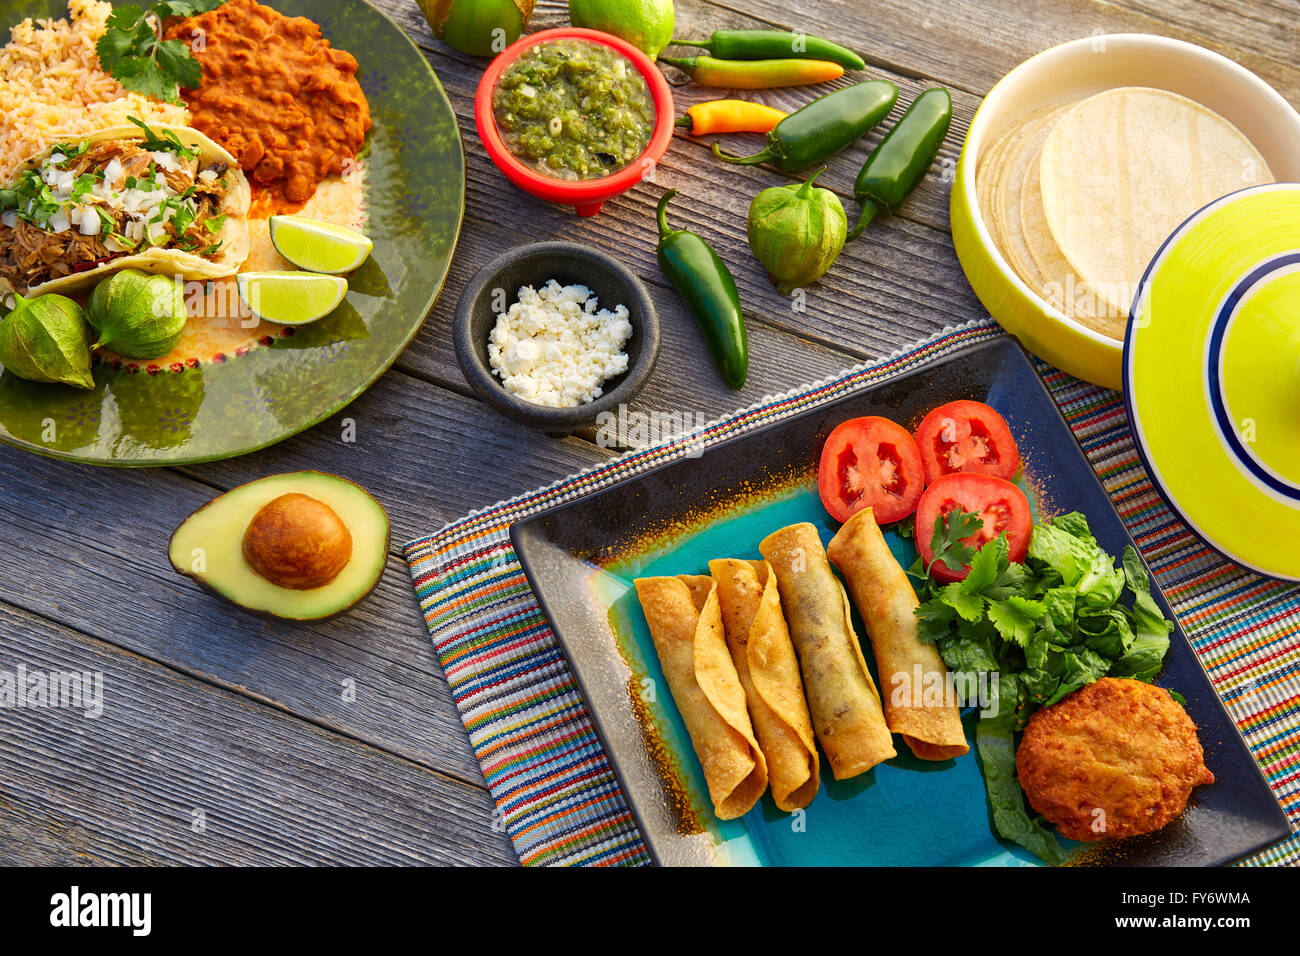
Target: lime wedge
<point x="291" y="298"/>
<point x="319" y="246"/>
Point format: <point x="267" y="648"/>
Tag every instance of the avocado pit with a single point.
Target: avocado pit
<point x="296" y="541"/>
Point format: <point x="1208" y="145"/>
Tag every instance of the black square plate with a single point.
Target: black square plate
<point x="580" y="559"/>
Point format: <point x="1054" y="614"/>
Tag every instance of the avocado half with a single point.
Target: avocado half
<point x="208" y="547"/>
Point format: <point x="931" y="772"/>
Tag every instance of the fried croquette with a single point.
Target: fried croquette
<point x="1114" y="759"/>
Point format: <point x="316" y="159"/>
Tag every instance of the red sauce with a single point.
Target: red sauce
<point x="277" y="96"/>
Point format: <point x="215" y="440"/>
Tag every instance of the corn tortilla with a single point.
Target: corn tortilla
<point x="1124" y="168"/>
<point x="686" y="627"/>
<point x="765" y="660"/>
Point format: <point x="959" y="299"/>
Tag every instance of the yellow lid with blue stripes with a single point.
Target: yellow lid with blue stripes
<point x="1212" y="375"/>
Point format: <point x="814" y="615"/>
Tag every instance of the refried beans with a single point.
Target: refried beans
<point x="274" y="93"/>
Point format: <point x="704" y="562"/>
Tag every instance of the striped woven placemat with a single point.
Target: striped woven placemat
<point x="556" y="793"/>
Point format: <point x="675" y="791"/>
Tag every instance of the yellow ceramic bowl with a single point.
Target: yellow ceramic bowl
<point x="1212" y="375"/>
<point x="1073" y="71"/>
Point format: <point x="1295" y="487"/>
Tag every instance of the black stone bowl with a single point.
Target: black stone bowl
<point x="569" y="264"/>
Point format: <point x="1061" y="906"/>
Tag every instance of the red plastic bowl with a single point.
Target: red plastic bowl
<point x="587" y="196"/>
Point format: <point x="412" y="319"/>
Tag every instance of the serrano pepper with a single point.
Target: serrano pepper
<point x="705" y="284"/>
<point x="768" y="44"/>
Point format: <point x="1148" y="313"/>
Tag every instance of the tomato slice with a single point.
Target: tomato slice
<point x="872" y="463"/>
<point x="966" y="436"/>
<point x="1002" y="506"/>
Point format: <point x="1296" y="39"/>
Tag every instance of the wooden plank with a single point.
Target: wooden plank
<point x="428" y="454"/>
<point x="1268" y="27"/>
<point x="104" y="570"/>
<point x="109" y="576"/>
<point x="126" y="787"/>
<point x="971" y="45"/>
<point x="460" y="75"/>
<point x="863" y="309"/>
<point x="684" y="380"/>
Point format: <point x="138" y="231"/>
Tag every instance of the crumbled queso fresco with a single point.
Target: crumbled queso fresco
<point x="553" y="348"/>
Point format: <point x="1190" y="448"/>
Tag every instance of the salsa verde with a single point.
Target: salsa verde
<point x="574" y="109"/>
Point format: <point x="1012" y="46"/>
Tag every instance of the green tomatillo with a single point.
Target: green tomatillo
<point x="478" y="27"/>
<point x="138" y="315"/>
<point x="797" y="232"/>
<point x="45" y="340"/>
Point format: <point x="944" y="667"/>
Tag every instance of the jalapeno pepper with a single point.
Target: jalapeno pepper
<point x="730" y="116"/>
<point x="705" y="284"/>
<point x="755" y="74"/>
<point x="825" y="126"/>
<point x="769" y="44"/>
<point x="900" y="162"/>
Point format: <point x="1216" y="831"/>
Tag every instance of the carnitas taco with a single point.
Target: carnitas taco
<point x="165" y="201"/>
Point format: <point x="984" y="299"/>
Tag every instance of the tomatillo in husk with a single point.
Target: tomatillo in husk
<point x="138" y="315"/>
<point x="798" y="232"/>
<point x="45" y="340"/>
<point x="478" y="27"/>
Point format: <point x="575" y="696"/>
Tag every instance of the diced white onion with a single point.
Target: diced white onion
<point x="113" y="171"/>
<point x="90" y="223"/>
<point x="10" y="218"/>
<point x="208" y="175"/>
<point x="167" y="161"/>
<point x="59" y="223"/>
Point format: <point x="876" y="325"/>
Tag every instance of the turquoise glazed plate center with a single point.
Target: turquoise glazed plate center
<point x="905" y="812"/>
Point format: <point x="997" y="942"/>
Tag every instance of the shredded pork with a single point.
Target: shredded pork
<point x="31" y="254"/>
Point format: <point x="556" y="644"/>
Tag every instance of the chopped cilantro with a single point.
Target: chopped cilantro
<point x="84" y="184"/>
<point x="164" y="140"/>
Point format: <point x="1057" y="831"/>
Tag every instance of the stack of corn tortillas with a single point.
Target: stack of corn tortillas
<point x="1079" y="196"/>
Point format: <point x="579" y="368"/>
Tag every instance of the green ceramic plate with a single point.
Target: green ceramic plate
<point x="416" y="197"/>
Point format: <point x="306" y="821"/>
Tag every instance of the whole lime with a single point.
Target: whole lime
<point x="646" y="24"/>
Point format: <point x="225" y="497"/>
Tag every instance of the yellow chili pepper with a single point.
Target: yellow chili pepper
<point x="755" y="74"/>
<point x="730" y="116"/>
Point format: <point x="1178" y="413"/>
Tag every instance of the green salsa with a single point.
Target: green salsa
<point x="574" y="109"/>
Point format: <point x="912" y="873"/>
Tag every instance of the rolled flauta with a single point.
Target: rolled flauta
<point x="686" y="625"/>
<point x="765" y="661"/>
<point x="842" y="698"/>
<point x="907" y="667"/>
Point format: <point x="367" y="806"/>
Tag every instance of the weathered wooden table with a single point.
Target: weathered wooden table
<point x="227" y="739"/>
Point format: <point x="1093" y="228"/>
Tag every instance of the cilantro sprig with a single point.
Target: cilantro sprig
<point x="165" y="140"/>
<point x="949" y="529"/>
<point x="1035" y="631"/>
<point x="133" y="50"/>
